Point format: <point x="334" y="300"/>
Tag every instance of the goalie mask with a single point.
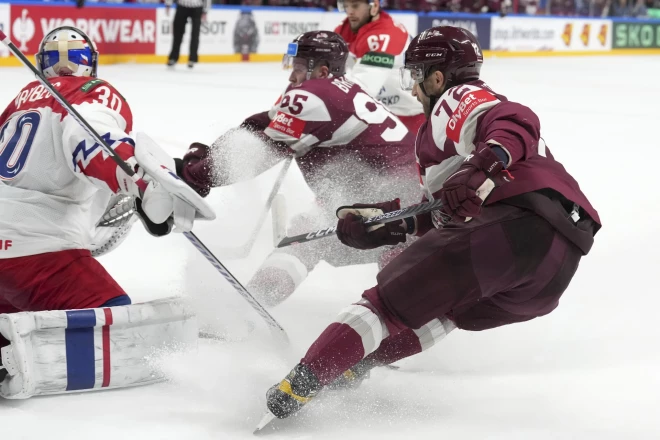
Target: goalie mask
<point x="67" y="51"/>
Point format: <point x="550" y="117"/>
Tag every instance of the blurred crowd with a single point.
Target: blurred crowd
<point x="589" y="8"/>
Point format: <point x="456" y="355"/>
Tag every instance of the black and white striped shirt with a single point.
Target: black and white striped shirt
<point x="206" y="4"/>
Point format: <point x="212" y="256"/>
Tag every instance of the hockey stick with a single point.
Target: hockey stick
<point x="275" y="327"/>
<point x="388" y="217"/>
<point x="244" y="250"/>
<point x="139" y="182"/>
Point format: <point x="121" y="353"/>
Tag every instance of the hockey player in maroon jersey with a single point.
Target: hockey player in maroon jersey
<point x="377" y="43"/>
<point x="343" y="141"/>
<point x="503" y="250"/>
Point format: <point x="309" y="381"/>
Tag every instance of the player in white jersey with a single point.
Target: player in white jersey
<point x="55" y="183"/>
<point x="377" y="44"/>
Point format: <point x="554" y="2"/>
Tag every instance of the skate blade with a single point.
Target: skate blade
<point x="267" y="418"/>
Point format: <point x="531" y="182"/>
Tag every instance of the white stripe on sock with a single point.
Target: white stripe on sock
<point x="366" y="323"/>
<point x="434" y="331"/>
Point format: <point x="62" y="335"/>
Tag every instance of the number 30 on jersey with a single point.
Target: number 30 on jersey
<point x="16" y="138"/>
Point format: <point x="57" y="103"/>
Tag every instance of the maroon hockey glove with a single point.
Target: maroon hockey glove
<point x="465" y="191"/>
<point x="196" y="168"/>
<point x="352" y="232"/>
<point x="257" y="122"/>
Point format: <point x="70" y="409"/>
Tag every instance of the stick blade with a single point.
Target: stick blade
<point x="265" y="420"/>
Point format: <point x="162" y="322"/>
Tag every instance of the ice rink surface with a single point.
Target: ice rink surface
<point x="589" y="370"/>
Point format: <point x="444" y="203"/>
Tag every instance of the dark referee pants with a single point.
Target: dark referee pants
<point x="180" y="19"/>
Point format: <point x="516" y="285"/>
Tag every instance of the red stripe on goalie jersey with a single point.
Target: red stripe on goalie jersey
<point x="97" y="163"/>
<point x="90" y="160"/>
<point x="35" y="95"/>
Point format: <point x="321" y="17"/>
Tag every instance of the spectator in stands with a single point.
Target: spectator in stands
<point x="627" y="8"/>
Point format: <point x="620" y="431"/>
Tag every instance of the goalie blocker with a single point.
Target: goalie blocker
<point x="63" y="351"/>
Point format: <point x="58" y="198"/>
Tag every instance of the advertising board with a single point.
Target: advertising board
<point x="550" y="34"/>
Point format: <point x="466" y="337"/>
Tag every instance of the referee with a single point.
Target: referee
<point x="195" y="10"/>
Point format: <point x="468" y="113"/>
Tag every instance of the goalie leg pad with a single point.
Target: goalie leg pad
<point x="62" y="351"/>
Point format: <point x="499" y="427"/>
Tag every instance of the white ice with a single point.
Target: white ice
<point x="589" y="370"/>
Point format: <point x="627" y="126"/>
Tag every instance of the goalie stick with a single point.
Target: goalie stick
<point x="388" y="217"/>
<point x="275" y="327"/>
<point x="142" y="185"/>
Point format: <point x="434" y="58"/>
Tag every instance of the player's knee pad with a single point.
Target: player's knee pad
<point x="371" y="299"/>
<point x="56" y="352"/>
<point x="366" y="323"/>
<point x="277" y="278"/>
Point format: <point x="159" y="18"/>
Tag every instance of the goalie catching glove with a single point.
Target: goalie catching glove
<point x="354" y="233"/>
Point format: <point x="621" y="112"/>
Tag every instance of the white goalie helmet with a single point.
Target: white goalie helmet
<point x="67" y="51"/>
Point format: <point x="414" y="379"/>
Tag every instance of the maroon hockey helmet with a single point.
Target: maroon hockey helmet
<point x="452" y="50"/>
<point x="318" y="46"/>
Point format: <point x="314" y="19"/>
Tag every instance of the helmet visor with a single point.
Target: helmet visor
<point x="296" y="64"/>
<point x="287" y="59"/>
<point x="410" y="75"/>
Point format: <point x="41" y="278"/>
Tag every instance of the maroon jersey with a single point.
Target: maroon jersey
<point x="329" y="118"/>
<point x="471" y="113"/>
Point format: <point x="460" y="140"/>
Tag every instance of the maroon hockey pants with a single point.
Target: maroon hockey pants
<point x="70" y="279"/>
<point x="506" y="266"/>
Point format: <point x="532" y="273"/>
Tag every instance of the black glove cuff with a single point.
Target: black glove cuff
<point x="410" y="225"/>
<point x="157" y="230"/>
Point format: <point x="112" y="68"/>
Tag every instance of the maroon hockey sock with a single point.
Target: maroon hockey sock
<point x="357" y="332"/>
<point x="396" y="347"/>
<point x="337" y="349"/>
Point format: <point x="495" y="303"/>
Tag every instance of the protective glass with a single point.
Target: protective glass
<point x="410" y="75"/>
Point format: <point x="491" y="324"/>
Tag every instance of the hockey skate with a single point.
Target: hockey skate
<point x="297" y="388"/>
<point x="289" y="396"/>
<point x="353" y="377"/>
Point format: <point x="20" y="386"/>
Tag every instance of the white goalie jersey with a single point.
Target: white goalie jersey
<point x="55" y="181"/>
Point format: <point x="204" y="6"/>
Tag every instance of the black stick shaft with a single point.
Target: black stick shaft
<point x="388" y="217"/>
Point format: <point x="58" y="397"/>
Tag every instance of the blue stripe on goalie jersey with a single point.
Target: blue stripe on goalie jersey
<point x="81" y="149"/>
<point x="79" y="344"/>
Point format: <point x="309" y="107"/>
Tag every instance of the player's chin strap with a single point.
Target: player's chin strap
<point x="432" y="98"/>
<point x="449" y="83"/>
